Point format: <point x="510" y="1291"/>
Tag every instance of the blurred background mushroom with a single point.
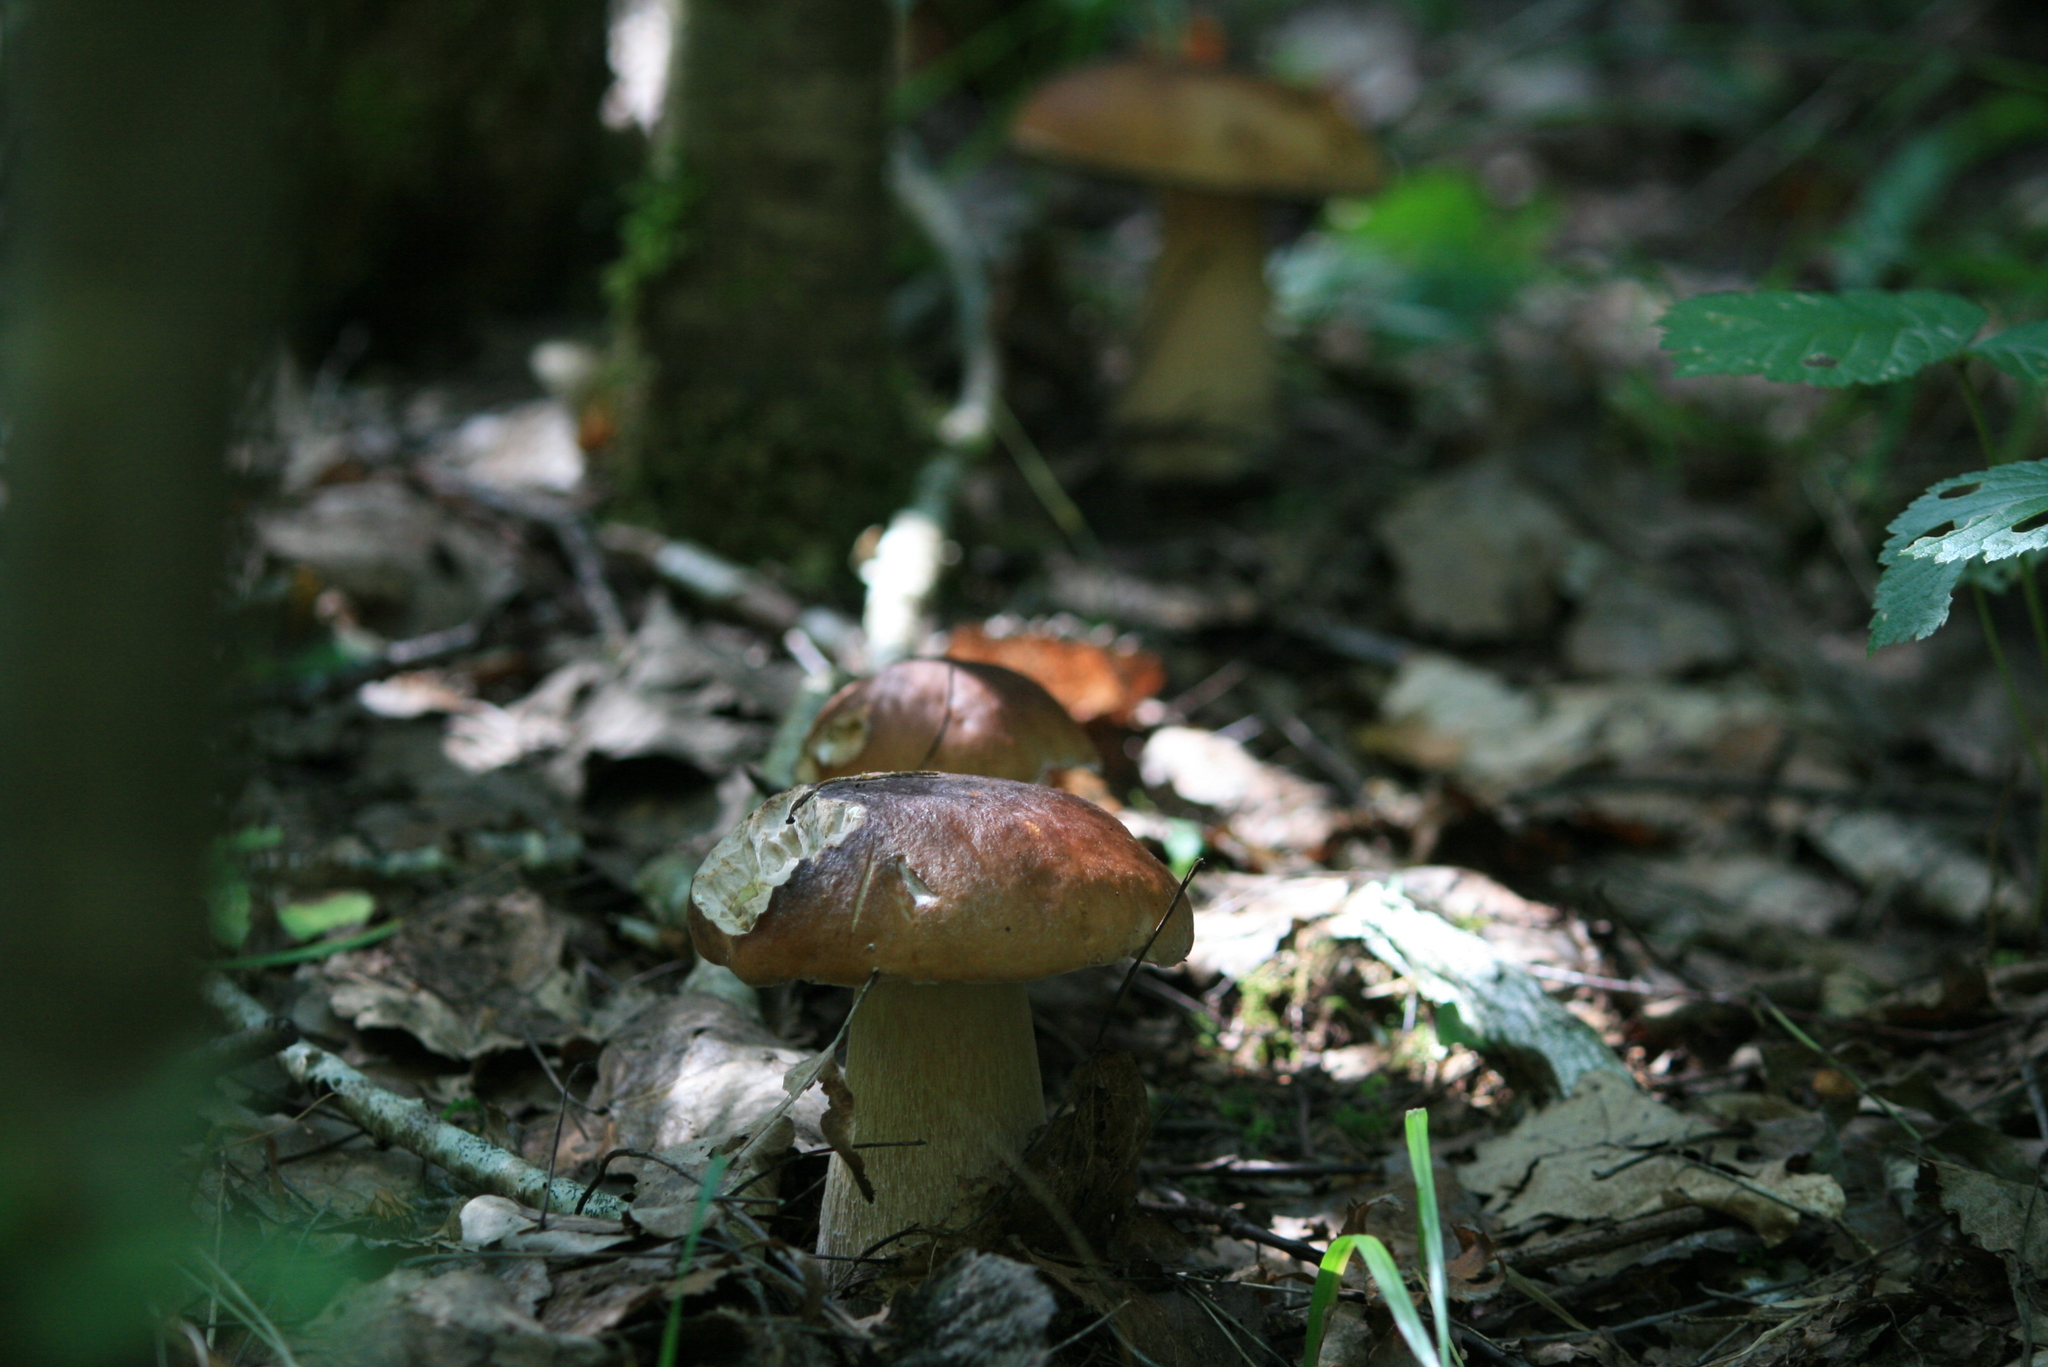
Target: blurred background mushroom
<point x="1218" y="145"/>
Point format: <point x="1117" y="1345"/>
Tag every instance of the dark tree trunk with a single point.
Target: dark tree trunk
<point x="769" y="426"/>
<point x="135" y="202"/>
<point x="449" y="167"/>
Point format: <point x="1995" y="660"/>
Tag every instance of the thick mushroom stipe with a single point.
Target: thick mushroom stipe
<point x="1201" y="386"/>
<point x="953" y="1065"/>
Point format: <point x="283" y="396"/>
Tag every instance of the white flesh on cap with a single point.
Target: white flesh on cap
<point x="1202" y="381"/>
<point x="952" y="1064"/>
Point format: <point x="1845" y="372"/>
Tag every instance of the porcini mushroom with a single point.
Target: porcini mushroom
<point x="1217" y="144"/>
<point x="957" y="890"/>
<point x="948" y="715"/>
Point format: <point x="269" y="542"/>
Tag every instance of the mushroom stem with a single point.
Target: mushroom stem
<point x="952" y="1064"/>
<point x="1202" y="383"/>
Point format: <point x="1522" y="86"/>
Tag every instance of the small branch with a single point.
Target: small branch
<point x="1230" y="1222"/>
<point x="247" y="1045"/>
<point x="406" y="1123"/>
<point x="973" y="416"/>
<point x="715" y="580"/>
<point x="1259" y="1169"/>
<point x="905" y="568"/>
<point x="1566" y="1248"/>
<point x="1570" y="1248"/>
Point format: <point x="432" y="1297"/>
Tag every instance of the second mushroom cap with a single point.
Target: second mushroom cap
<point x="948" y="715"/>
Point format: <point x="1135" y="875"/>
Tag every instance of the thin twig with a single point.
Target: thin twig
<point x="244" y="1304"/>
<point x="405" y="1122"/>
<point x="1138" y="961"/>
<point x="1828" y="1056"/>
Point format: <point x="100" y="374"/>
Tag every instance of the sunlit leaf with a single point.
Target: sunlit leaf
<point x="335" y="911"/>
<point x="1972" y="519"/>
<point x="1833" y="340"/>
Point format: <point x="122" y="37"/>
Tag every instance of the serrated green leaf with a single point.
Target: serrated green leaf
<point x="1831" y="340"/>
<point x="1967" y="521"/>
<point x="2021" y="352"/>
<point x="1977" y="516"/>
<point x="1912" y="600"/>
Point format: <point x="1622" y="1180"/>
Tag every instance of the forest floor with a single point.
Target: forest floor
<point x="1518" y="635"/>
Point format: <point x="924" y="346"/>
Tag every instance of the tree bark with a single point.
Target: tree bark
<point x="768" y="425"/>
<point x="136" y="203"/>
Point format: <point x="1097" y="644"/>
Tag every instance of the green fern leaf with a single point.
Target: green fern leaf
<point x="1832" y="340"/>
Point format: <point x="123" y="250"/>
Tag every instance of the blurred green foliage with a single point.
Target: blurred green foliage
<point x="652" y="234"/>
<point x="1429" y="261"/>
<point x="1243" y="1107"/>
<point x="1880" y="234"/>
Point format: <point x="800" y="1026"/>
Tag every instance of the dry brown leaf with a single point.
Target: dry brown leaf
<point x="1090" y="680"/>
<point x="1472" y="1276"/>
<point x="1610" y="1152"/>
<point x="837" y="1125"/>
<point x="1997" y="1216"/>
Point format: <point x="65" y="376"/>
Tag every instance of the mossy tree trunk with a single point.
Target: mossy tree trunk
<point x="768" y="423"/>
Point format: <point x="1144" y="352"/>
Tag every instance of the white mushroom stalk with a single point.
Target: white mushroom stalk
<point x="945" y="1084"/>
<point x="1201" y="383"/>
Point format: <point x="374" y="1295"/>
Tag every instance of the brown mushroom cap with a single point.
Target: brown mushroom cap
<point x="930" y="878"/>
<point x="948" y="715"/>
<point x="1204" y="129"/>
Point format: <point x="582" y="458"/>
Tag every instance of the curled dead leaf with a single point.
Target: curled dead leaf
<point x="837" y="1125"/>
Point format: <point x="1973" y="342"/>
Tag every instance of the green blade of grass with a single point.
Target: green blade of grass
<point x="672" y="1330"/>
<point x="1380" y="1263"/>
<point x="319" y="949"/>
<point x="1429" y="1226"/>
<point x="1387" y="1277"/>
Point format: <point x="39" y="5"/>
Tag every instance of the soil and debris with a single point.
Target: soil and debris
<point x="1517" y="715"/>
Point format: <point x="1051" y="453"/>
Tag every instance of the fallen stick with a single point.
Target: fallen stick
<point x="712" y="579"/>
<point x="904" y="569"/>
<point x="406" y="1123"/>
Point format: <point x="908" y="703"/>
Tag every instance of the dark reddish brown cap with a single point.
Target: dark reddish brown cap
<point x="931" y="878"/>
<point x="947" y="715"/>
<point x="1200" y="128"/>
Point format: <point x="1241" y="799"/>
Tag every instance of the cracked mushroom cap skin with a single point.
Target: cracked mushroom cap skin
<point x="1198" y="128"/>
<point x="931" y="878"/>
<point x="949" y="715"/>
